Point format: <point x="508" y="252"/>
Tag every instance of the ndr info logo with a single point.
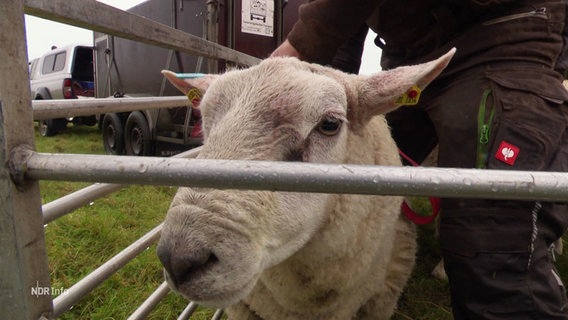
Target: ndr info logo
<point x="47" y="291"/>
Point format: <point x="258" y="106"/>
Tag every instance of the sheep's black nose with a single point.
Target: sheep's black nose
<point x="181" y="266"/>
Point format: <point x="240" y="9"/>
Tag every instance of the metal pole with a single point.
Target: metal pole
<point x="301" y="177"/>
<point x="188" y="311"/>
<point x="146" y="308"/>
<point x="66" y="204"/>
<point x="61" y="206"/>
<point x="218" y="314"/>
<point x="72" y="295"/>
<point x="212" y="30"/>
<point x="25" y="289"/>
<point x="99" y="17"/>
<point x="49" y="109"/>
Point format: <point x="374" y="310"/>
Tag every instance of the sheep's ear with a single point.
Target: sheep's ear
<point x="388" y="90"/>
<point x="184" y="85"/>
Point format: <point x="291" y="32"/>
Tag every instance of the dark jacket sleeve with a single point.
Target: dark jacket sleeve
<point x="348" y="57"/>
<point x="488" y="3"/>
<point x="325" y="25"/>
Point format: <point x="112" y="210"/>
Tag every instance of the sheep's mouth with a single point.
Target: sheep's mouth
<point x="210" y="253"/>
<point x="218" y="276"/>
<point x="214" y="289"/>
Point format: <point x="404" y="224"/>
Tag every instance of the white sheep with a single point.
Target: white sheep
<point x="285" y="255"/>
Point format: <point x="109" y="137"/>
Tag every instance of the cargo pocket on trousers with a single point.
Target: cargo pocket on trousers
<point x="528" y="129"/>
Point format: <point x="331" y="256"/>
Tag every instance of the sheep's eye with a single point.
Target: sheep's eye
<point x="329" y="126"/>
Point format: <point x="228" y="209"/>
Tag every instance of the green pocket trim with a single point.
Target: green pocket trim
<point x="483" y="130"/>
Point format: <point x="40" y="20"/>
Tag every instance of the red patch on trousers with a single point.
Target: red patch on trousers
<point x="507" y="153"/>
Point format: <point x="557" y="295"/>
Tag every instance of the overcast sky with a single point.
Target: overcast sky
<point x="42" y="34"/>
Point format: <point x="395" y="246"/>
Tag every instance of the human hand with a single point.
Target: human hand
<point x="286" y="49"/>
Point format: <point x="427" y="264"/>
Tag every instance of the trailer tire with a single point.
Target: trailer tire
<point x="51" y="127"/>
<point x="137" y="135"/>
<point x="113" y="134"/>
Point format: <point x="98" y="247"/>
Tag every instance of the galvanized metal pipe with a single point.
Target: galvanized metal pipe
<point x="147" y="306"/>
<point x="72" y="295"/>
<point x="188" y="311"/>
<point x="61" y="206"/>
<point x="66" y="204"/>
<point x="301" y="177"/>
<point x="217" y="315"/>
<point x="96" y="16"/>
<point x="62" y="108"/>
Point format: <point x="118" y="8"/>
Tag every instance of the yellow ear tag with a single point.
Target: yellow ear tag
<point x="194" y="95"/>
<point x="410" y="97"/>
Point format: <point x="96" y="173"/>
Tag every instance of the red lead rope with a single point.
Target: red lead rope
<point x="411" y="214"/>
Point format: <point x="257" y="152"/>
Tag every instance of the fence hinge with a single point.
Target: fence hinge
<point x="19" y="157"/>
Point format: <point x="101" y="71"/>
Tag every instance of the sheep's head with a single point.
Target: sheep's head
<point x="215" y="244"/>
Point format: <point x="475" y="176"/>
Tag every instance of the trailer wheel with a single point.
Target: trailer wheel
<point x="51" y="127"/>
<point x="113" y="134"/>
<point x="137" y="135"/>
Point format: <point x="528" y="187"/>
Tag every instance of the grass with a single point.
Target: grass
<point x="81" y="241"/>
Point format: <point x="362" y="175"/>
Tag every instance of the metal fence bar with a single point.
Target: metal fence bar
<point x="146" y="308"/>
<point x="49" y="109"/>
<point x="25" y="288"/>
<point x="100" y="17"/>
<point x="301" y="177"/>
<point x="65" y="301"/>
<point x="188" y="311"/>
<point x="61" y="206"/>
<point x="66" y="204"/>
<point x="217" y="315"/>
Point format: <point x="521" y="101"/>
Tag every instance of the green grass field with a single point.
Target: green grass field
<point x="83" y="240"/>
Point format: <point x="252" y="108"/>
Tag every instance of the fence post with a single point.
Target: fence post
<point x="24" y="275"/>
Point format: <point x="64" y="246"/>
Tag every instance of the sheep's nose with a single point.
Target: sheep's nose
<point x="180" y="266"/>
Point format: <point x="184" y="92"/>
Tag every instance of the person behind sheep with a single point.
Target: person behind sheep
<point x="500" y="104"/>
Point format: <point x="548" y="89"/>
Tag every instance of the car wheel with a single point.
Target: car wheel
<point x="137" y="135"/>
<point x="113" y="134"/>
<point x="51" y="127"/>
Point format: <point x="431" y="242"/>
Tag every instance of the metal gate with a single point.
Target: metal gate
<point x="23" y="258"/>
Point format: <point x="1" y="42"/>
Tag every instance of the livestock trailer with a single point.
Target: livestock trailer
<point x="126" y="68"/>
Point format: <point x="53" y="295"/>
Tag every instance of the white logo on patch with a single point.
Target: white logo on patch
<point x="507" y="153"/>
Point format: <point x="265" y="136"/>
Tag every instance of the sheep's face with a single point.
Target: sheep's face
<point x="280" y="110"/>
<point x="215" y="244"/>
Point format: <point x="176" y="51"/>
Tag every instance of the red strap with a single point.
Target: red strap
<point x="418" y="219"/>
<point x="411" y="214"/>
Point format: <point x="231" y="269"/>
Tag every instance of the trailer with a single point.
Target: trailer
<point x="127" y="68"/>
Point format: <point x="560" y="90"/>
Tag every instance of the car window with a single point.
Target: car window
<point x="54" y="62"/>
<point x="59" y="61"/>
<point x="48" y="64"/>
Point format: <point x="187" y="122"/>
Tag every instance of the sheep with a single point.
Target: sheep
<point x="289" y="255"/>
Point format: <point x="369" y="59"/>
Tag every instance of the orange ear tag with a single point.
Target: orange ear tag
<point x="194" y="95"/>
<point x="410" y="97"/>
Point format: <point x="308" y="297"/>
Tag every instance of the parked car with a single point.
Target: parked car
<point x="63" y="73"/>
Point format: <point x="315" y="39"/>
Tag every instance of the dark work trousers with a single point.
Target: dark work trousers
<point x="496" y="252"/>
